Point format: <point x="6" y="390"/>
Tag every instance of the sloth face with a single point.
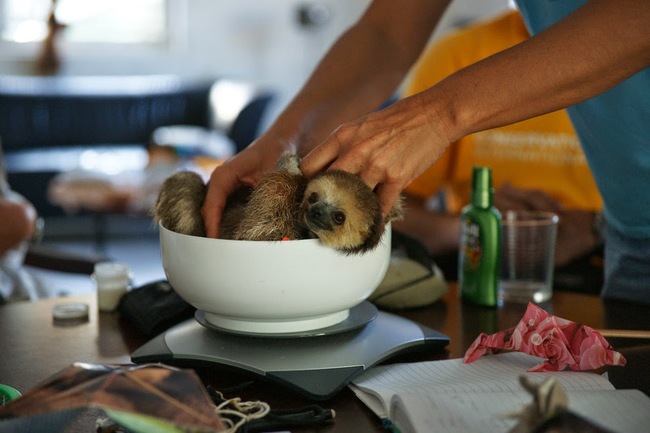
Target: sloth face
<point x="341" y="211"/>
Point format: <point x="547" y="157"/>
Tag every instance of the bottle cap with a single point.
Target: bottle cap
<point x="482" y="192"/>
<point x="70" y="312"/>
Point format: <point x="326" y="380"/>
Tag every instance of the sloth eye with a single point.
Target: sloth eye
<point x="338" y="217"/>
<point x="313" y="198"/>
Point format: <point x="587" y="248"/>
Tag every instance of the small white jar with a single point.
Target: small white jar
<point x="113" y="279"/>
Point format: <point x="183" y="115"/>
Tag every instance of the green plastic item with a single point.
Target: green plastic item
<point x="7" y="394"/>
<point x="479" y="257"/>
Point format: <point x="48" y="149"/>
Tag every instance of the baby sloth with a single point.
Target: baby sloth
<point x="334" y="206"/>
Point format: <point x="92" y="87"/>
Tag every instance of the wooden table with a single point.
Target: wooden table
<point x="32" y="347"/>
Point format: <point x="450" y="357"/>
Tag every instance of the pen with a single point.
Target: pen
<point x="624" y="333"/>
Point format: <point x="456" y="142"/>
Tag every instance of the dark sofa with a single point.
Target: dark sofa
<point x="46" y="121"/>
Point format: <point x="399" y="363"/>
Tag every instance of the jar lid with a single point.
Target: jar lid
<point x="70" y="312"/>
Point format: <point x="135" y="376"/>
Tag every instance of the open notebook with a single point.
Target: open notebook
<point x="452" y="396"/>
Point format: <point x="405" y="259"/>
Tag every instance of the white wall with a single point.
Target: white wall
<point x="255" y="40"/>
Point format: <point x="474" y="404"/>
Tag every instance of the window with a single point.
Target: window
<point x="96" y="21"/>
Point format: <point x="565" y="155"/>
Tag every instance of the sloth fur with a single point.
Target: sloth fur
<point x="335" y="206"/>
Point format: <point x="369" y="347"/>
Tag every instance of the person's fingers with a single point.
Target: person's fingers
<point x="224" y="180"/>
<point x="215" y="202"/>
<point x="381" y="149"/>
<point x="320" y="157"/>
<point x="344" y="149"/>
<point x="244" y="169"/>
<point x="539" y="200"/>
<point x="211" y="212"/>
<point x="388" y="194"/>
<point x="508" y="197"/>
<point x="506" y="204"/>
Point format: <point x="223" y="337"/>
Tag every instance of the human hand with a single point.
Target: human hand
<point x="574" y="233"/>
<point x="508" y="197"/>
<point x="387" y="149"/>
<point x="575" y="236"/>
<point x="244" y="169"/>
<point x="18" y="221"/>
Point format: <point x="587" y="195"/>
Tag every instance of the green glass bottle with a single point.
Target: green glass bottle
<point x="479" y="256"/>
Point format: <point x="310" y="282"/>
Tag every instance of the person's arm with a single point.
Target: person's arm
<point x="438" y="231"/>
<point x="360" y="71"/>
<point x="598" y="46"/>
<point x="575" y="234"/>
<point x="18" y="223"/>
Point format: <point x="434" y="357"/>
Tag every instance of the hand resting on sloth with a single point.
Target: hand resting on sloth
<point x="334" y="206"/>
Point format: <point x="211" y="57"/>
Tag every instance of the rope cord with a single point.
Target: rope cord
<point x="235" y="413"/>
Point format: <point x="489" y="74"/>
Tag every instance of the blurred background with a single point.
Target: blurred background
<point x="100" y="100"/>
<point x="275" y="43"/>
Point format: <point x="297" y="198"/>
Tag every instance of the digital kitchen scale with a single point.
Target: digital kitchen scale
<point x="316" y="363"/>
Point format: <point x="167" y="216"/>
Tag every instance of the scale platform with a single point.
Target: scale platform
<point x="316" y="366"/>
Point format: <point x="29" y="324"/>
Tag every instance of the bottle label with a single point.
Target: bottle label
<point x="471" y="245"/>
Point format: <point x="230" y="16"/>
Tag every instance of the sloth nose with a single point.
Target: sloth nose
<point x="318" y="214"/>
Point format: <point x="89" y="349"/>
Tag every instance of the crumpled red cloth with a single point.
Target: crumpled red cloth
<point x="563" y="343"/>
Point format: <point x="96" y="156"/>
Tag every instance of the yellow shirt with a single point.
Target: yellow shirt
<point x="541" y="153"/>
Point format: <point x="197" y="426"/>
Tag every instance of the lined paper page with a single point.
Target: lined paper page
<point x="494" y="373"/>
<point x="622" y="411"/>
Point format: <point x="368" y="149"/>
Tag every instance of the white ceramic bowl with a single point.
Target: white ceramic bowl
<point x="270" y="287"/>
